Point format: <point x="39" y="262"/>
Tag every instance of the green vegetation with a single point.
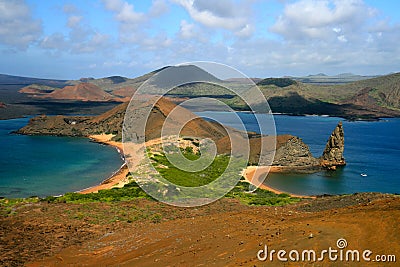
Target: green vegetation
<point x="132" y="191"/>
<point x="259" y="197"/>
<point x="189" y="179"/>
<point x="280" y="82"/>
<point x="8" y="205"/>
<point x="200" y="89"/>
<point x="128" y="192"/>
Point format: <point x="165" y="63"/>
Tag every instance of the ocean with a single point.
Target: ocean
<point x="372" y="153"/>
<point x="49" y="165"/>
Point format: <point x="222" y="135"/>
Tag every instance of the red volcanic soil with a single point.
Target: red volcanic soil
<point x="82" y="92"/>
<point x="124" y="91"/>
<point x="225" y="233"/>
<point x="32" y="90"/>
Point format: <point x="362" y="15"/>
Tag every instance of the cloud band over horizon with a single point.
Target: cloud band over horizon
<point x="70" y="39"/>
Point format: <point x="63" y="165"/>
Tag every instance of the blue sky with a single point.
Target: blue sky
<point x="70" y="39"/>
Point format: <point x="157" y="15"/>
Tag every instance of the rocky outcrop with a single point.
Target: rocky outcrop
<point x="333" y="153"/>
<point x="294" y="152"/>
<point x="109" y="122"/>
<point x="291" y="153"/>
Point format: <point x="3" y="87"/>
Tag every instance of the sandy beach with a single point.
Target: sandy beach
<point x="119" y="178"/>
<point x="252" y="174"/>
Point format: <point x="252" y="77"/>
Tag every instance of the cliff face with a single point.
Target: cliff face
<point x="333" y="153"/>
<point x="293" y="155"/>
<point x="109" y="122"/>
<point x="294" y="152"/>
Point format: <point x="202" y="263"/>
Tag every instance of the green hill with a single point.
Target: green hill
<point x="365" y="99"/>
<point x="280" y="82"/>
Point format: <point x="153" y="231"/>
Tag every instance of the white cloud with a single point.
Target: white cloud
<point x="316" y="19"/>
<point x="225" y="14"/>
<point x="70" y="8"/>
<point x="18" y="29"/>
<point x="332" y="36"/>
<point x="55" y="41"/>
<point x="125" y="12"/>
<point x="187" y="30"/>
<point x="158" y="8"/>
<point x="336" y="29"/>
<point x="342" y="38"/>
<point x="130" y="22"/>
<point x="247" y="31"/>
<point x="74" y="21"/>
<point x="81" y="39"/>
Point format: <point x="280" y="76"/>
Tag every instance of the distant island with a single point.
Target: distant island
<point x="349" y="96"/>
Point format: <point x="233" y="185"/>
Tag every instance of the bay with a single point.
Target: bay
<point x="371" y="148"/>
<point x="49" y="165"/>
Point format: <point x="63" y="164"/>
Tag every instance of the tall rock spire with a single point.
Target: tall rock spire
<point x="333" y="153"/>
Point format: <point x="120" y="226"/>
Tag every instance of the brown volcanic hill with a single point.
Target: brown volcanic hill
<point x="112" y="120"/>
<point x="197" y="127"/>
<point x="82" y="92"/>
<point x="126" y="91"/>
<point x="36" y="89"/>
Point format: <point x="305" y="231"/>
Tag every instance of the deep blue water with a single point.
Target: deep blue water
<point x="371" y="148"/>
<point x="48" y="165"/>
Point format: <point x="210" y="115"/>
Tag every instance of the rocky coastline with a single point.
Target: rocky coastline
<point x="291" y="153"/>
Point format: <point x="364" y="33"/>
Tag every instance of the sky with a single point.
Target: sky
<point x="70" y="39"/>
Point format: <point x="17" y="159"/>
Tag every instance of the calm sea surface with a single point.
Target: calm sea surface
<point x="48" y="165"/>
<point x="371" y="148"/>
<point x="45" y="165"/>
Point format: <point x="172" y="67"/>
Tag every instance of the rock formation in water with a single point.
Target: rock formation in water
<point x="294" y="152"/>
<point x="333" y="153"/>
<point x="291" y="153"/>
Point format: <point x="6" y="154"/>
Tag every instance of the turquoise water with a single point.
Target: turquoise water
<point x="371" y="148"/>
<point x="48" y="165"/>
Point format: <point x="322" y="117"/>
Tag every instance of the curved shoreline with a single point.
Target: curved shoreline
<point x="119" y="177"/>
<point x="251" y="171"/>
